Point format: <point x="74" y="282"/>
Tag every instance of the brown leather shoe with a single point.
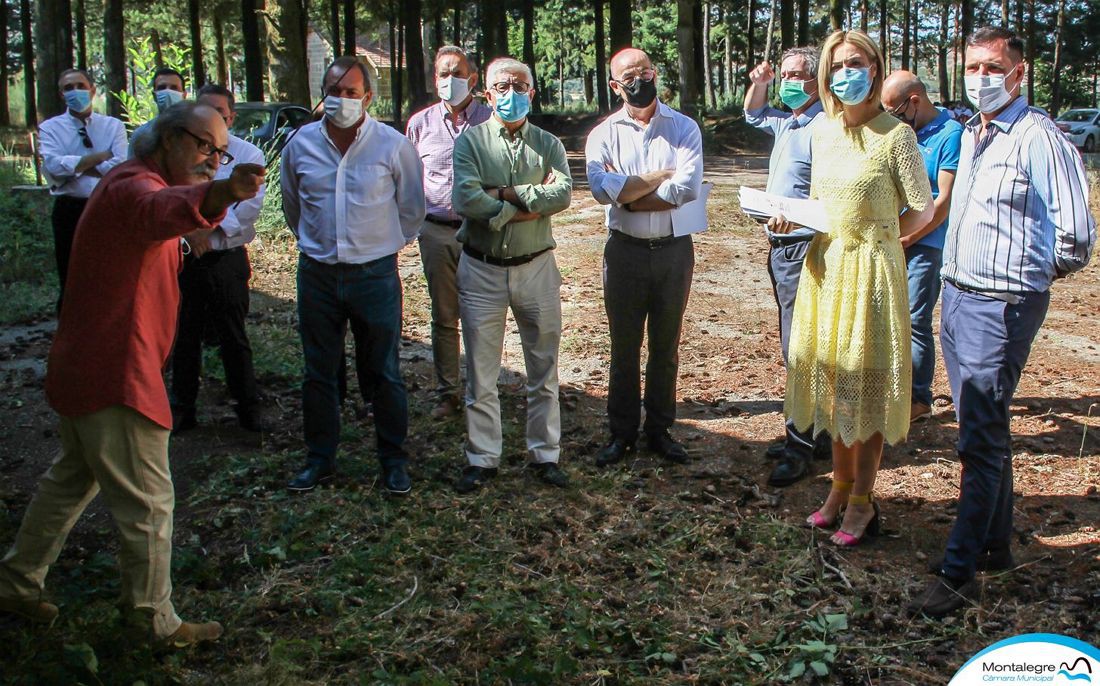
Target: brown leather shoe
<point x="37" y="611"/>
<point x="190" y="634"/>
<point x="919" y="412"/>
<point x="447" y="407"/>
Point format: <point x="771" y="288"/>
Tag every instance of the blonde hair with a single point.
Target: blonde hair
<point x="863" y="42"/>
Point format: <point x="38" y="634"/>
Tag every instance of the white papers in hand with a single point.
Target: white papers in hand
<point x="691" y="217"/>
<point x="761" y="205"/>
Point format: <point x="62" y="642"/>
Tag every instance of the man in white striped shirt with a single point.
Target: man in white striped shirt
<point x="1019" y="220"/>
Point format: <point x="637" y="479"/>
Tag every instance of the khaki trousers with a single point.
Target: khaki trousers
<point x="533" y="292"/>
<point x="125" y="455"/>
<point x="439" y="251"/>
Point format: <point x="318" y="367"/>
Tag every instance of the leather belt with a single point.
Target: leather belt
<point x="650" y="243"/>
<point x="1003" y="296"/>
<point x="502" y="261"/>
<point x="435" y="219"/>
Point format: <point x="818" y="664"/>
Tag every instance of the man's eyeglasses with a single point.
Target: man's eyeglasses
<point x="502" y="87"/>
<point x="207" y="148"/>
<point x="84" y="139"/>
<point x="629" y="79"/>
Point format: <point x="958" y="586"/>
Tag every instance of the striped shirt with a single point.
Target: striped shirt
<point x="1020" y="215"/>
<point x="433" y="131"/>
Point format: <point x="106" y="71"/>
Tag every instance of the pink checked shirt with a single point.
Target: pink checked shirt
<point x="433" y="131"/>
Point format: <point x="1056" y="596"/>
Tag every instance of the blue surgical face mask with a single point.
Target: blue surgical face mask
<point x="851" y="85"/>
<point x="78" y="100"/>
<point x="166" y="98"/>
<point x="512" y="106"/>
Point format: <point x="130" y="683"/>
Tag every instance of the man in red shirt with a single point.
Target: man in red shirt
<point x="113" y="338"/>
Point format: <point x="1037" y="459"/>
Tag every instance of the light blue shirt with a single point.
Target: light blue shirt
<point x="789" y="166"/>
<point x="1019" y="212"/>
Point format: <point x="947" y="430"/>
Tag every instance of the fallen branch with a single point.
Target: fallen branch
<point x="416" y="585"/>
<point x="836" y="570"/>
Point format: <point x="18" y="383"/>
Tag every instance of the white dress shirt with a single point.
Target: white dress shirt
<point x="670" y="141"/>
<point x="61" y="147"/>
<point x="239" y="226"/>
<point x="355" y="208"/>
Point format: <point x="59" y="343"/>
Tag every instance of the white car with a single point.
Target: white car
<point x="1082" y="127"/>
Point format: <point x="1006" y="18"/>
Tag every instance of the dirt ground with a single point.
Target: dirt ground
<point x="730" y="390"/>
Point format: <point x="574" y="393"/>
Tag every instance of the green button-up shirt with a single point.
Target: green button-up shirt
<point x="486" y="156"/>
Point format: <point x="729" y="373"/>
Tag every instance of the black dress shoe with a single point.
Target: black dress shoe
<point x="790" y="469"/>
<point x="776" y="450"/>
<point x="551" y="473"/>
<point x="989" y="561"/>
<point x="254" y="419"/>
<point x="396" y="480"/>
<point x="473" y="478"/>
<point x="663" y="445"/>
<point x="613" y="452"/>
<point x="942" y="597"/>
<point x="183" y="419"/>
<point x="308" y="478"/>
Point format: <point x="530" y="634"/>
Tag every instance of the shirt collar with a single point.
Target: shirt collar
<point x="1007" y="117"/>
<point x="811" y="112"/>
<point x="936" y="123"/>
<point x="77" y="121"/>
<point x="364" y="126"/>
<point x="466" y="113"/>
<point x="502" y="131"/>
<point x="621" y="117"/>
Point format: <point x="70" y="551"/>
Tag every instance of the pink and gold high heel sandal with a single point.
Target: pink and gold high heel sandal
<point x="844" y="539"/>
<point x="817" y="520"/>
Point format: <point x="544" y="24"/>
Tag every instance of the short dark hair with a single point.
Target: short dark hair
<point x="988" y="34"/>
<point x="347" y="62"/>
<point x="217" y="89"/>
<point x="82" y="72"/>
<point x="168" y="71"/>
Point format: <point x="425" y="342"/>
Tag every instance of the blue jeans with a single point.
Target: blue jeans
<point x="986" y="343"/>
<point x="368" y="296"/>
<point x="924" y="290"/>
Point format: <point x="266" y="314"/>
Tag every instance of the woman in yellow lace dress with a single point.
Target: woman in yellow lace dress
<point x="849" y="362"/>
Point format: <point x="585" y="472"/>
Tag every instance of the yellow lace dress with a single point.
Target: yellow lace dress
<point x="849" y="363"/>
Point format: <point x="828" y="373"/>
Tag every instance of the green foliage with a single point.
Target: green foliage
<point x="27" y="282"/>
<point x="140" y="108"/>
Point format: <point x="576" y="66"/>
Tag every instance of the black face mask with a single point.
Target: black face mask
<point x="640" y="93"/>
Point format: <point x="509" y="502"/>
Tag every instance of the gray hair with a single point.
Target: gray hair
<point x="811" y="55"/>
<point x="457" y="52"/>
<point x="167" y="123"/>
<point x="509" y="65"/>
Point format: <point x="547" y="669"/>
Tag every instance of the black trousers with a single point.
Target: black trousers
<point x="214" y="293"/>
<point x="66" y="215"/>
<point x="645" y="291"/>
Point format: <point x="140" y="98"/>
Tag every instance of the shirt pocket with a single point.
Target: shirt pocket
<point x="371" y="185"/>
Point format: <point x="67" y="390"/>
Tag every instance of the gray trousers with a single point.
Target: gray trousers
<point x="439" y="251"/>
<point x="533" y="292"/>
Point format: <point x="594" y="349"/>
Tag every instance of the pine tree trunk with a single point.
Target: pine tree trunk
<point x="708" y="80"/>
<point x="5" y="117"/>
<point x="437" y="31"/>
<point x="864" y="10"/>
<point x="456" y="35"/>
<point x="219" y="48"/>
<point x="1031" y="52"/>
<point x="915" y="23"/>
<point x="80" y="25"/>
<point x="967" y="9"/>
<point x="529" y="53"/>
<point x="1021" y="28"/>
<point x="837" y="10"/>
<point x="728" y="87"/>
<point x="941" y="51"/>
<point x="197" y="70"/>
<point x="906" y="10"/>
<point x="786" y="24"/>
<point x="286" y="44"/>
<point x="1056" y="69"/>
<point x="884" y="31"/>
<point x="334" y="27"/>
<point x="750" y="35"/>
<point x="601" y="54"/>
<point x="53" y="50"/>
<point x="561" y="57"/>
<point x="621" y="25"/>
<point x="350" y="32"/>
<point x="685" y="41"/>
<point x="804" y="21"/>
<point x="253" y="55"/>
<point x="414" y="55"/>
<point x="114" y="54"/>
<point x="30" y="113"/>
<point x="1004" y="13"/>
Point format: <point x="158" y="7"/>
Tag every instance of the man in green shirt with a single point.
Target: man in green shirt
<point x="509" y="178"/>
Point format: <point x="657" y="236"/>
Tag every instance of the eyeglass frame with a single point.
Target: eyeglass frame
<point x="627" y="84"/>
<point x="223" y="155"/>
<point x="510" y="85"/>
